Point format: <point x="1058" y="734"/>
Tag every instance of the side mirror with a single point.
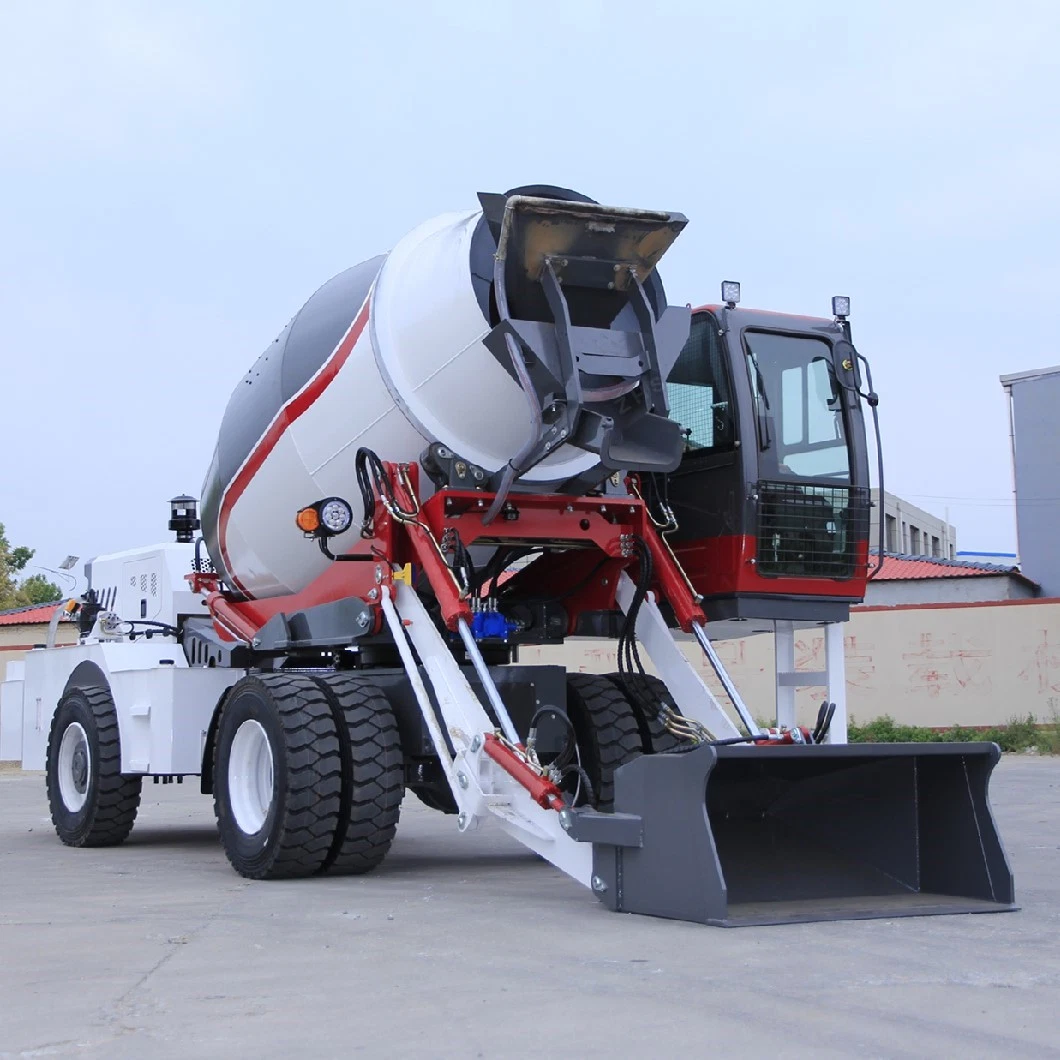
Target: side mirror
<point x="845" y="361"/>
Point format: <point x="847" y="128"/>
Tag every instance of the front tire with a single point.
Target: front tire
<point x="277" y="776"/>
<point x="606" y="730"/>
<point x="645" y="694"/>
<point x="92" y="804"/>
<point x="373" y="773"/>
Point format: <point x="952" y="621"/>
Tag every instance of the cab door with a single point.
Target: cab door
<point x="707" y="491"/>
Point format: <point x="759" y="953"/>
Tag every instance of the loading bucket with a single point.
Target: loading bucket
<point x="742" y="835"/>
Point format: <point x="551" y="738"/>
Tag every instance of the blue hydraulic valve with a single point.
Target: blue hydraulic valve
<point x="487" y="623"/>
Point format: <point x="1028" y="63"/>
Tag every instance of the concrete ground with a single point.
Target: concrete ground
<point x="467" y="947"/>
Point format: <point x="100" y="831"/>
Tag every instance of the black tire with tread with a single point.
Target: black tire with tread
<point x="299" y="831"/>
<point x="643" y="692"/>
<point x="606" y="729"/>
<point x="373" y="773"/>
<point x="109" y="812"/>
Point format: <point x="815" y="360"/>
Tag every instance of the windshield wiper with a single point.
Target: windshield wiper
<point x="764" y="439"/>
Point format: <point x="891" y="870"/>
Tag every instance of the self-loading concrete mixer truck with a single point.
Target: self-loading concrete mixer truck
<point x="500" y="435"/>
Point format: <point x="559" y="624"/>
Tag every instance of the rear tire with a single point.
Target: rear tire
<point x="92" y="804"/>
<point x="373" y="774"/>
<point x="606" y="730"/>
<point x="277" y="776"/>
<point x="644" y="693"/>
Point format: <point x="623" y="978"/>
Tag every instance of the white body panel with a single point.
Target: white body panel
<point x="147" y="583"/>
<point x="417" y="373"/>
<point x="163" y="708"/>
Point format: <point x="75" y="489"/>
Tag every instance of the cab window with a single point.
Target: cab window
<point x="798" y="407"/>
<point x="699" y="392"/>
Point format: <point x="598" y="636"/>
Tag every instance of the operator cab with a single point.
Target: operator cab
<point x="772" y="494"/>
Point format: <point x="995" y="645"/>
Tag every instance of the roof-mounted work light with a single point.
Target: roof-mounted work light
<point x="730" y="293"/>
<point x="841" y="306"/>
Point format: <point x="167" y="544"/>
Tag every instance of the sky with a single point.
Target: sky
<point x="176" y="179"/>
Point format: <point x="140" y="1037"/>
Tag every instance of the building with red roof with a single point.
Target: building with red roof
<point x="905" y="579"/>
<point x="33" y="615"/>
<point x="22" y="628"/>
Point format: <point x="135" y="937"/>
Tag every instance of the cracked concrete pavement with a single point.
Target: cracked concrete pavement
<point x="467" y="946"/>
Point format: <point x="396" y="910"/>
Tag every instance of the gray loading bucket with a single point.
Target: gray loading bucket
<point x="744" y="835"/>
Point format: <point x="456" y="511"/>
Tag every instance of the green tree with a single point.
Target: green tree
<point x="36" y="589"/>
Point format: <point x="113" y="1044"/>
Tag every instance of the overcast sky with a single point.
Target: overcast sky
<point x="178" y="178"/>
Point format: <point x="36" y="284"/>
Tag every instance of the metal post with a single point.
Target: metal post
<point x="58" y="614"/>
<point x="784" y="638"/>
<point x="835" y="667"/>
<point x="726" y="681"/>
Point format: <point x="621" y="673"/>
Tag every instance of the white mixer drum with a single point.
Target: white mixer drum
<point x="387" y="355"/>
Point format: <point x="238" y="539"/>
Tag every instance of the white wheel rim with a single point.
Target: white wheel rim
<point x="250" y="777"/>
<point x="75" y="766"/>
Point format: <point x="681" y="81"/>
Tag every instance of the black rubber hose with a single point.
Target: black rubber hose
<point x="584" y="777"/>
<point x="570" y="748"/>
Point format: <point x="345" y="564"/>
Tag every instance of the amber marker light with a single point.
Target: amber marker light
<point x="308" y="520"/>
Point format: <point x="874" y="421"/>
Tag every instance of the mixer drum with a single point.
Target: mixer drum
<point x="388" y="355"/>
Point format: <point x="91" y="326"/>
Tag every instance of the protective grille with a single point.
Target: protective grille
<point x="809" y="531"/>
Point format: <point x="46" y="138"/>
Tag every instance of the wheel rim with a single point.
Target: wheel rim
<point x="250" y="777"/>
<point x="75" y="766"/>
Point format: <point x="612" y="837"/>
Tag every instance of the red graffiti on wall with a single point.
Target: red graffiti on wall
<point x="860" y="662"/>
<point x="937" y="666"/>
<point x="809" y="653"/>
<point x="1043" y="669"/>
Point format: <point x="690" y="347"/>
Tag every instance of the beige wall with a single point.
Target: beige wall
<point x="972" y="665"/>
<point x="934" y="665"/>
<point x="15" y="641"/>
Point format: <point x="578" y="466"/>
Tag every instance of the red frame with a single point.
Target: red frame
<point x="603" y="525"/>
<point x="238" y="618"/>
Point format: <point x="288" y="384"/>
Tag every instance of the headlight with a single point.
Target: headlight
<point x="335" y="515"/>
<point x="326" y="518"/>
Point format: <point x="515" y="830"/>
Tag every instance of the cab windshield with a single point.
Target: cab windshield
<point x="798" y="406"/>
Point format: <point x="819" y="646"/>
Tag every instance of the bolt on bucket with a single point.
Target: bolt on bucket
<point x="743" y="835"/>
